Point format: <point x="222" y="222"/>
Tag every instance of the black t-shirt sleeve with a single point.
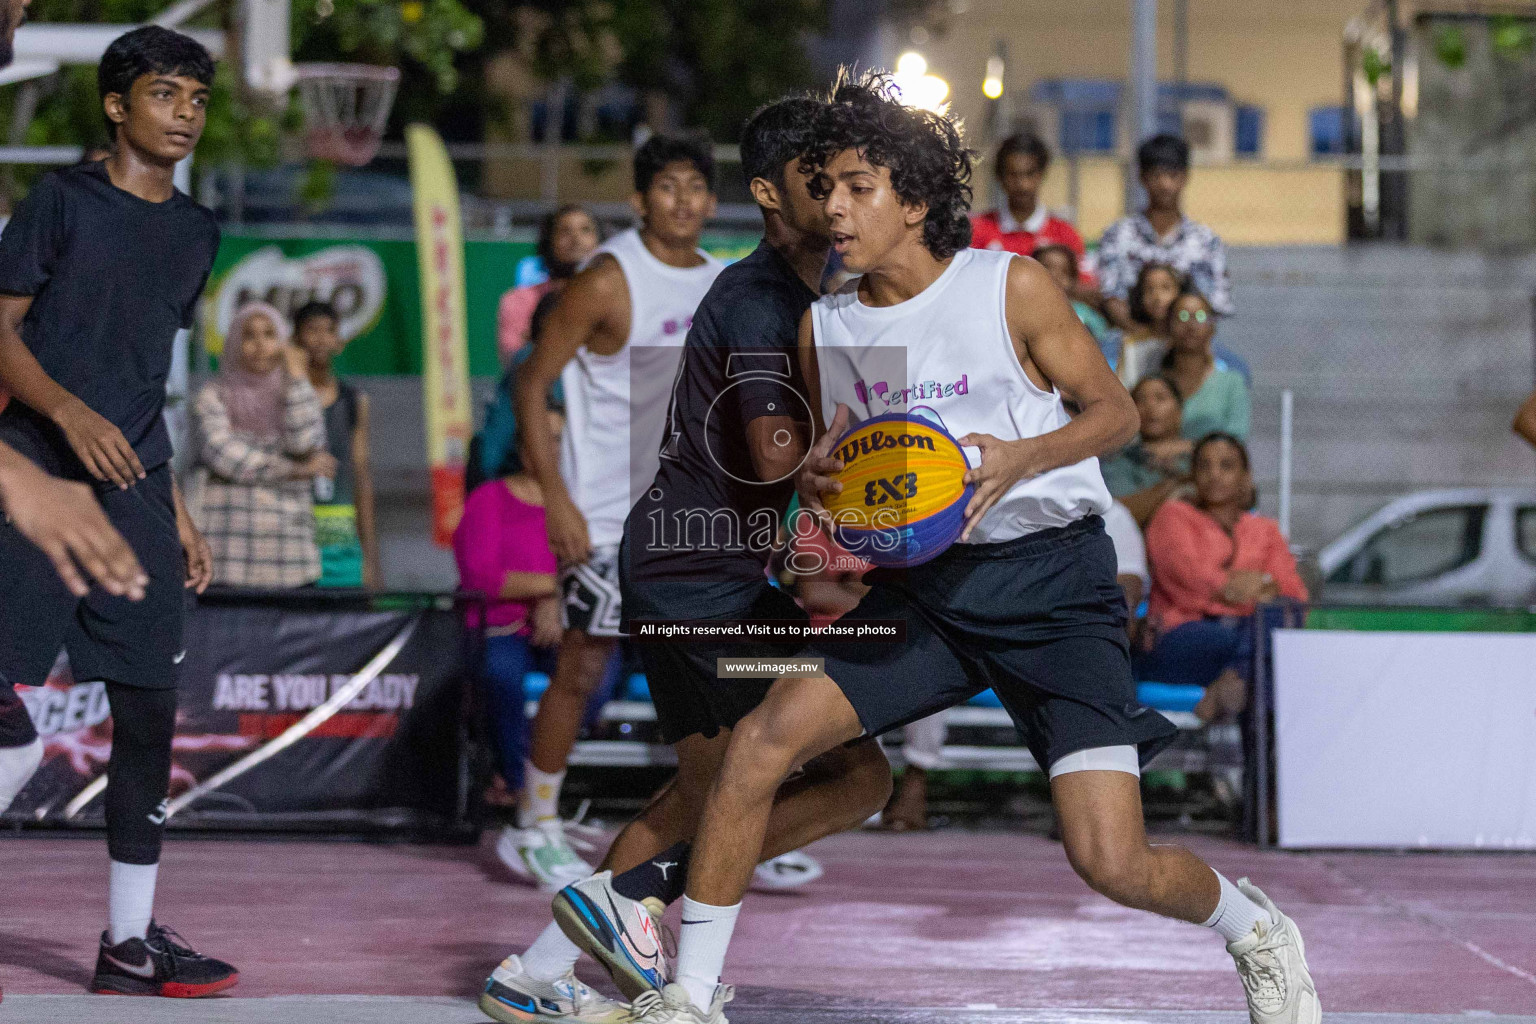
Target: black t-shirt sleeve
<point x="32" y="240"/>
<point x="761" y="337"/>
<point x="189" y="311"/>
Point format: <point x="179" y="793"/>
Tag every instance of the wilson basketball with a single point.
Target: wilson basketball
<point x="904" y="493"/>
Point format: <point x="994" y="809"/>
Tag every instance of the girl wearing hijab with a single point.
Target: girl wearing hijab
<point x="260" y="444"/>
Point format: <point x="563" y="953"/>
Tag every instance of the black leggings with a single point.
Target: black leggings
<point x="139" y="772"/>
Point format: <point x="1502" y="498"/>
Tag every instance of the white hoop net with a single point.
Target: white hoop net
<point x="345" y="109"/>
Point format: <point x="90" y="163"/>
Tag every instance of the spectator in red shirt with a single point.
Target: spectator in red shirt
<point x="1213" y="562"/>
<point x="1021" y="223"/>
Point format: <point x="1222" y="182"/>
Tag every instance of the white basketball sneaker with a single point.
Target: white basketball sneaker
<point x="542" y="854"/>
<point x="626" y="936"/>
<point x="672" y="1006"/>
<point x="511" y="995"/>
<point x="1272" y="961"/>
<point x="787" y="871"/>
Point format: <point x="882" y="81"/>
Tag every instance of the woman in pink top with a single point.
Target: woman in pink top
<point x="566" y="238"/>
<point x="1213" y="562"/>
<point x="502" y="550"/>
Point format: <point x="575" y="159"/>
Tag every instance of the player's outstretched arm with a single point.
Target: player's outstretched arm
<point x="589" y="309"/>
<point x="100" y="446"/>
<point x="1525" y="421"/>
<point x="1055" y="350"/>
<point x="64" y="520"/>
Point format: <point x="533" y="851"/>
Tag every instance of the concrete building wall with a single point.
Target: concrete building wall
<point x="1285" y="57"/>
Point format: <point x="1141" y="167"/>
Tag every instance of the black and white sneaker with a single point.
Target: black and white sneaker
<point x="160" y="964"/>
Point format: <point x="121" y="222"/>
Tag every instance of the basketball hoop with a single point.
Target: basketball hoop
<point x="345" y="109"/>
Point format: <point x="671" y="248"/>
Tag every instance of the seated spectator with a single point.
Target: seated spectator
<point x="344" y="526"/>
<point x="1021" y="223"/>
<point x="1151" y="299"/>
<point x="502" y="551"/>
<point x="1161" y="234"/>
<point x="260" y="445"/>
<point x="1213" y="561"/>
<point x="493" y="451"/>
<point x="1152" y="468"/>
<point x="1215" y="395"/>
<point x="1061" y="262"/>
<point x="566" y="238"/>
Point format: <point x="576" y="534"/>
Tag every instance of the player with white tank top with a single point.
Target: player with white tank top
<point x="1026" y="603"/>
<point x="614" y="340"/>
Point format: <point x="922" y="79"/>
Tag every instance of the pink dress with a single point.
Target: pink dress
<point x="514" y="317"/>
<point x="501" y="533"/>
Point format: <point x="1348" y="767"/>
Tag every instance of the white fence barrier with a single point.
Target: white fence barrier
<point x="1402" y="740"/>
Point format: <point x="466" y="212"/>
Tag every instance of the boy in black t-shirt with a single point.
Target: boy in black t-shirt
<point x="100" y="266"/>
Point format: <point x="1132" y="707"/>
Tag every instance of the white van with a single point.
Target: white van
<point x="1473" y="546"/>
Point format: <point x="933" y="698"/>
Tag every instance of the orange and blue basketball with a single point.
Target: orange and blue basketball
<point x="904" y="492"/>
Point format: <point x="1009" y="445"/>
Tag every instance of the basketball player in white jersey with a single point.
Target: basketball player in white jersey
<point x="614" y="341"/>
<point x="1026" y="602"/>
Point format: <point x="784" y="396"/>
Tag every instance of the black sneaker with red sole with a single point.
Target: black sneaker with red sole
<point x="160" y="964"/>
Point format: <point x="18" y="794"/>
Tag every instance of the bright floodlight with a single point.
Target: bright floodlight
<point x="916" y="87"/>
<point x="992" y="85"/>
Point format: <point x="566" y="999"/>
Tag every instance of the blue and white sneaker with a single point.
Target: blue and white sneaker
<point x="626" y="936"/>
<point x="511" y="995"/>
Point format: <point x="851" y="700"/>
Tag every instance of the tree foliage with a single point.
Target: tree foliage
<point x="426" y="38"/>
<point x="714" y="60"/>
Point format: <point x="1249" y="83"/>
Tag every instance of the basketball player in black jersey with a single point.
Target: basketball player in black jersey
<point x="63" y="519"/>
<point x="696" y="546"/>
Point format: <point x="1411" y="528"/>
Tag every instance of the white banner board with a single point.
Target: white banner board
<point x="1405" y="739"/>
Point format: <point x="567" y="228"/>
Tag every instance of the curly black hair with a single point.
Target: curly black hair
<point x="923" y="151"/>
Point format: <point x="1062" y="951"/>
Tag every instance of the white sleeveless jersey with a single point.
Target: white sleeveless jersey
<point x="616" y="406"/>
<point x="948" y="349"/>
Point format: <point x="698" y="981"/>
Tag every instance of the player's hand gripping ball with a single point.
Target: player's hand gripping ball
<point x="904" y="492"/>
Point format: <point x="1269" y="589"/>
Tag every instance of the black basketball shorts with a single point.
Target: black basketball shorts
<point x="1039" y="619"/>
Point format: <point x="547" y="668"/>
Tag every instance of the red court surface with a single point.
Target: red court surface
<point x="901" y="927"/>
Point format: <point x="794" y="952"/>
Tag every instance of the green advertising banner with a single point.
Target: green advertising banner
<point x="375" y="289"/>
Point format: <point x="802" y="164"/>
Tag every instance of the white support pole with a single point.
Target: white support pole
<point x="1143" y="121"/>
<point x="178" y="382"/>
<point x="1287" y="427"/>
<point x="84" y="44"/>
<point x="43" y="49"/>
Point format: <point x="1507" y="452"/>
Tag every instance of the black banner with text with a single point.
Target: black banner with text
<point x="390" y="757"/>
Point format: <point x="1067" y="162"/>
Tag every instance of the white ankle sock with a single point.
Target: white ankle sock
<point x="701" y="948"/>
<point x="1235" y="914"/>
<point x="16" y="767"/>
<point x="130" y="900"/>
<point x="541" y="795"/>
<point x="552" y="955"/>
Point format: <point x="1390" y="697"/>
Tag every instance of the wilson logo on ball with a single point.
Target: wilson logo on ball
<point x="904" y="492"/>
